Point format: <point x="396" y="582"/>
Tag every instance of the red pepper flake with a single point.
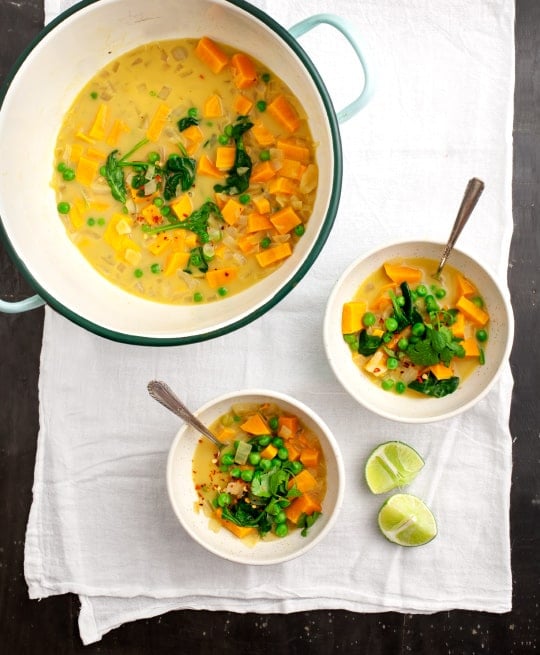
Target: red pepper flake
<point x="376" y="370"/>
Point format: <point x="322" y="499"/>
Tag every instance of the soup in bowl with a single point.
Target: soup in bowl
<point x="271" y="493"/>
<point x="56" y="68"/>
<point x="412" y="347"/>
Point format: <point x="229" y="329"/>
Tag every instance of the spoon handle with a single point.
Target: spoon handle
<point x="166" y="396"/>
<point x="470" y="198"/>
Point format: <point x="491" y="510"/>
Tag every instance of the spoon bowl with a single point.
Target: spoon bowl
<point x="472" y="193"/>
<point x="166" y="397"/>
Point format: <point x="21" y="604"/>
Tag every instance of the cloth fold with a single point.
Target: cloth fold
<point x="100" y="524"/>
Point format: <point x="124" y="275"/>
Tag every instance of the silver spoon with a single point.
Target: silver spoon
<point x="166" y="396"/>
<point x="470" y="198"/>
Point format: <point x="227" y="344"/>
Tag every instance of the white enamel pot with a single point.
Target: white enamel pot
<point x="43" y="85"/>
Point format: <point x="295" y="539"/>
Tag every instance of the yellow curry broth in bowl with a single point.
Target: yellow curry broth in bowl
<point x="55" y="69"/>
<point x="411" y="347"/>
<point x="271" y="493"/>
<point x="269" y="479"/>
<point x="185" y="171"/>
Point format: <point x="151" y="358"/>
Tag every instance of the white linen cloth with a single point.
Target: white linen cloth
<point x="101" y="525"/>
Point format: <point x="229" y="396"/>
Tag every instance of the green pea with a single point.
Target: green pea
<point x="155" y="268"/>
<point x="223" y="499"/>
<point x="264" y="155"/>
<point x="244" y="198"/>
<point x="387" y="336"/>
<point x="418" y="329"/>
<point x="440" y="293"/>
<point x="63" y="207"/>
<point x="228" y="130"/>
<point x="280" y="517"/>
<point x="94" y="95"/>
<point x="227" y="459"/>
<point x="283" y="453"/>
<point x="299" y="230"/>
<point x="266" y="242"/>
<point x="400" y="387"/>
<point x="158" y="202"/>
<point x="387" y="384"/>
<point x="235" y="472"/>
<point x="392" y="363"/>
<point x="197" y="296"/>
<point x="61" y="167"/>
<point x="138" y="272"/>
<point x="153" y="157"/>
<point x="481" y="335"/>
<point x="282" y="530"/>
<point x="400" y="301"/>
<point x="264" y="440"/>
<point x="254" y="458"/>
<point x="261" y="105"/>
<point x="368" y="319"/>
<point x="101" y="221"/>
<point x="421" y="290"/>
<point x="403" y="343"/>
<point x="222" y="291"/>
<point x="193" y="112"/>
<point x="391" y="324"/>
<point x="478" y="301"/>
<point x="91" y="221"/>
<point x="223" y="139"/>
<point x="273" y="423"/>
<point x="165" y="210"/>
<point x="265" y="464"/>
<point x="296" y="466"/>
<point x="431" y="303"/>
<point x="265" y="77"/>
<point x="247" y="475"/>
<point x="68" y="174"/>
<point x="277" y="442"/>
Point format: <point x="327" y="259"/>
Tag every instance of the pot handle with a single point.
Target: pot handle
<point x="21" y="305"/>
<point x="347" y="30"/>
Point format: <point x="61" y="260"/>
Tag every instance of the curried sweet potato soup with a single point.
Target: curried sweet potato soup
<point x="269" y="481"/>
<point x="185" y="171"/>
<point x="413" y="334"/>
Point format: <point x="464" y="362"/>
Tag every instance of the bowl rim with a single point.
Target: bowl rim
<point x="331" y="440"/>
<point x="502" y="291"/>
<point x="335" y="185"/>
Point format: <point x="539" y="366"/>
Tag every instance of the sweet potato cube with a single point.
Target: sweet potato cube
<point x="309" y="457"/>
<point x="211" y="54"/>
<point x="255" y="424"/>
<point x="304" y="481"/>
<point x="274" y="254"/>
<point x="244" y="71"/>
<point x="441" y="372"/>
<point x="475" y="314"/>
<point x="284" y="113"/>
<point x="285" y="220"/>
<point x="221" y="276"/>
<point x="304" y="504"/>
<point x="399" y="273"/>
<point x="351" y="316"/>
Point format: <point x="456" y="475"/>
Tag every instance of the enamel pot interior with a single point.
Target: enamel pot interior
<point x="64" y="57"/>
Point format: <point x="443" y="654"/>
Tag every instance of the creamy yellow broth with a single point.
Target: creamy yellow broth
<point x="213" y="476"/>
<point x="165" y="103"/>
<point x="460" y="313"/>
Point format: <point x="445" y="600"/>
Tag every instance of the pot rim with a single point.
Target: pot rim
<point x="324" y="232"/>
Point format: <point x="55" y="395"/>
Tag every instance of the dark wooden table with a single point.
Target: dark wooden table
<point x="50" y="626"/>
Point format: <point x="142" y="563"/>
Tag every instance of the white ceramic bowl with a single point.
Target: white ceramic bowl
<point x="183" y="496"/>
<point x="54" y="69"/>
<point x="403" y="407"/>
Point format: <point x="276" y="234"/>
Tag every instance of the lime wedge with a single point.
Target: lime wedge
<point x="405" y="520"/>
<point x="392" y="464"/>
